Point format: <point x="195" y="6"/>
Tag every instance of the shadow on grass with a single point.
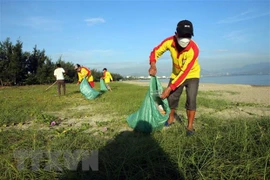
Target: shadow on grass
<point x="74" y="92"/>
<point x="102" y="91"/>
<point x="130" y="155"/>
<point x="79" y="92"/>
<point x="100" y="94"/>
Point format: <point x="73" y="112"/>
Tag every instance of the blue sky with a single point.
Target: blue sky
<point x="120" y="35"/>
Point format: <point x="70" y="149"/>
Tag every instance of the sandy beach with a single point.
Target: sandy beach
<point x="256" y="100"/>
<point x="232" y="92"/>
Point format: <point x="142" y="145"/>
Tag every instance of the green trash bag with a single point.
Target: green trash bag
<point x="87" y="90"/>
<point x="150" y="117"/>
<point x="102" y="85"/>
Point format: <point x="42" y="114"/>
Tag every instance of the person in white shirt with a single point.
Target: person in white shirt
<point x="59" y="75"/>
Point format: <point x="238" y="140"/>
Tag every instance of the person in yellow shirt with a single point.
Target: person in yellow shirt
<point x="84" y="72"/>
<point x="107" y="78"/>
<point x="185" y="71"/>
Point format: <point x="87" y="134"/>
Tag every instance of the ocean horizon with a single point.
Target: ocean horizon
<point x="256" y="80"/>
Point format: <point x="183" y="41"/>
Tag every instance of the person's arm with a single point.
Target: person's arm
<point x="104" y="75"/>
<point x="54" y="73"/>
<point x="157" y="53"/>
<point x="111" y="78"/>
<point x="79" y="78"/>
<point x="81" y="75"/>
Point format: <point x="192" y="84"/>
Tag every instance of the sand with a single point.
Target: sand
<point x="250" y="102"/>
<point x="233" y="92"/>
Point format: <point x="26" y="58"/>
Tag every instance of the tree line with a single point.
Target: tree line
<point x="18" y="67"/>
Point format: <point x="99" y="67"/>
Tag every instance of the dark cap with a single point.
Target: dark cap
<point x="104" y="69"/>
<point x="77" y="66"/>
<point x="184" y="27"/>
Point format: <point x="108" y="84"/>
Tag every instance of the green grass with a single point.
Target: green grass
<point x="220" y="149"/>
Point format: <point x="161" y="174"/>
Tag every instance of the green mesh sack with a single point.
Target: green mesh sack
<point x="149" y="117"/>
<point x="102" y="85"/>
<point x="87" y="90"/>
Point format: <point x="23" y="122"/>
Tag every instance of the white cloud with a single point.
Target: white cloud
<point x="236" y="36"/>
<point x="39" y="22"/>
<point x="213" y="51"/>
<point x="92" y="21"/>
<point x="221" y="50"/>
<point x="85" y="56"/>
<point x="244" y="16"/>
<point x="231" y="59"/>
<point x="106" y="52"/>
<point x="238" y="55"/>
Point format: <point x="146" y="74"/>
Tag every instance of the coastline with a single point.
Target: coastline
<point x="233" y="92"/>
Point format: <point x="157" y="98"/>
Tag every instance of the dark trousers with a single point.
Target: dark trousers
<point x="191" y="86"/>
<point x="59" y="84"/>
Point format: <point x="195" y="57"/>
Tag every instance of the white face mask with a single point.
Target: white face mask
<point x="183" y="42"/>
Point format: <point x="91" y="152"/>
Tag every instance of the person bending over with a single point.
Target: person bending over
<point x="185" y="70"/>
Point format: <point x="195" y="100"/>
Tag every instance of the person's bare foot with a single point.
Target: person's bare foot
<point x="170" y="120"/>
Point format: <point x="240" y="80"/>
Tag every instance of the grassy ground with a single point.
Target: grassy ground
<point x="222" y="148"/>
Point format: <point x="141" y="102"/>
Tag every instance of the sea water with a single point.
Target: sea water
<point x="258" y="80"/>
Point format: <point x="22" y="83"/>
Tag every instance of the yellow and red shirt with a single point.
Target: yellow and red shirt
<point x="85" y="72"/>
<point x="185" y="62"/>
<point x="107" y="76"/>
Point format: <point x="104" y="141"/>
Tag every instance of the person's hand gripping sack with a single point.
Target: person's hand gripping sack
<point x="166" y="92"/>
<point x="153" y="69"/>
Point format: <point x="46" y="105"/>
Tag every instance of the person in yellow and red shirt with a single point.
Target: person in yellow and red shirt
<point x="84" y="72"/>
<point x="107" y="78"/>
<point x="185" y="71"/>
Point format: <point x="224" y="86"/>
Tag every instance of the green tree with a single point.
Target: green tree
<point x="116" y="76"/>
<point x="5" y="56"/>
<point x="17" y="64"/>
<point x="45" y="72"/>
<point x="32" y="61"/>
<point x="18" y="67"/>
<point x="96" y="74"/>
<point x="12" y="62"/>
